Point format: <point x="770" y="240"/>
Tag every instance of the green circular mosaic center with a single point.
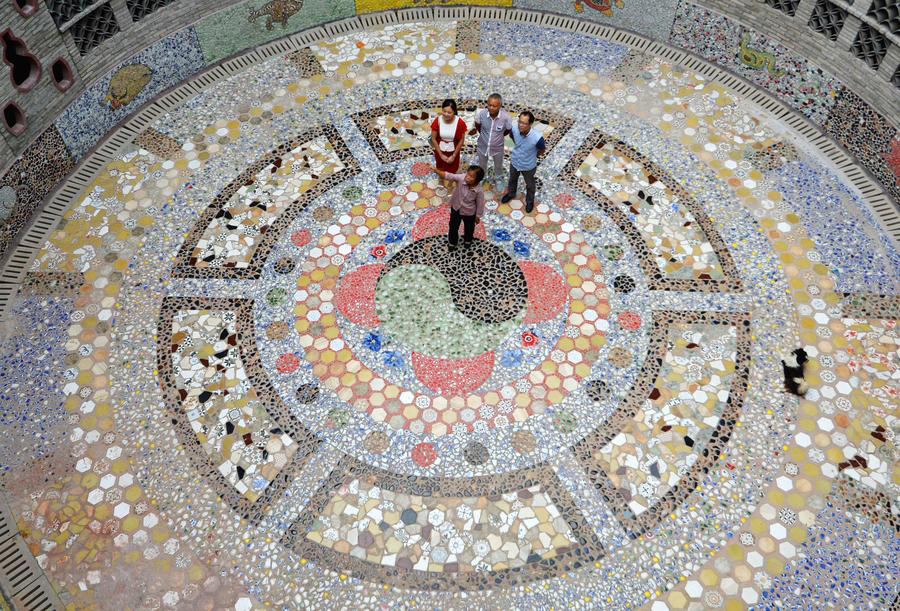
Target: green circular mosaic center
<point x="415" y="307"/>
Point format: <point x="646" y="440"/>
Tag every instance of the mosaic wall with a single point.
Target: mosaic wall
<point x="118" y="94"/>
<point x="796" y="81"/>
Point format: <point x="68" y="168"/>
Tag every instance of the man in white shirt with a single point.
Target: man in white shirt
<point x="492" y="124"/>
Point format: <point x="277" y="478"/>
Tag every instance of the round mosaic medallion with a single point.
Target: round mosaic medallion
<point x="278" y="377"/>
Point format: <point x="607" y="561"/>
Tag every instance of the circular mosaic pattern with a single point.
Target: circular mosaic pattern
<point x="276" y="377"/>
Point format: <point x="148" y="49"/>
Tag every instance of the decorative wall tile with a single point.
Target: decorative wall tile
<point x="28" y="181"/>
<point x="867" y="135"/>
<point x="787" y="75"/>
<point x="255" y="22"/>
<point x="652" y="19"/>
<point x="124" y="89"/>
<point x="370" y="6"/>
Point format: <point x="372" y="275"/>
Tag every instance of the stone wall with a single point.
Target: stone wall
<point x="159" y="43"/>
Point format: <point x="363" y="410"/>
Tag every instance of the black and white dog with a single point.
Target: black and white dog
<point x="793" y="372"/>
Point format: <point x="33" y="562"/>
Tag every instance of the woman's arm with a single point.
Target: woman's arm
<point x="460" y="137"/>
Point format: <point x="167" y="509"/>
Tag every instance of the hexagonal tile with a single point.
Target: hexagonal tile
<point x="95" y="496"/>
<point x="121" y="510"/>
<point x="826" y="424"/>
<point x="693" y="589"/>
<point x="749" y="596"/>
<point x="755" y="559"/>
<point x="787" y="549"/>
<point x="784" y="483"/>
<point x="778" y="531"/>
<point x="843" y="387"/>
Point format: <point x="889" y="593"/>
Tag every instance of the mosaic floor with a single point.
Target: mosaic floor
<point x="254" y="375"/>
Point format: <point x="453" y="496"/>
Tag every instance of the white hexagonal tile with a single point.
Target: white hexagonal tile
<point x="755" y="559"/>
<point x="120" y="540"/>
<point x="114" y="452"/>
<point x="92" y="436"/>
<point x="435" y="517"/>
<point x="84" y="464"/>
<point x="784" y="483"/>
<point x="778" y="531"/>
<point x="787" y="549"/>
<point x="828" y="392"/>
<point x="825" y="424"/>
<point x="802" y="440"/>
<point x="126" y="479"/>
<point x="729" y="586"/>
<point x="693" y="588"/>
<point x="121" y="510"/>
<point x="150" y="520"/>
<point x="767" y="511"/>
<point x="749" y="596"/>
<point x="843" y="387"/>
<point x="107" y="481"/>
<point x="95" y="496"/>
<point x="659" y="605"/>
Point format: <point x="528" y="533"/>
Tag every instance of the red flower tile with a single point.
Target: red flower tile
<point x="546" y="291"/>
<point x="453" y="377"/>
<point x="287" y="363"/>
<point x="424" y="454"/>
<point x="301" y="238"/>
<point x="529" y="339"/>
<point x="379" y="251"/>
<point x="630" y="321"/>
<point x="563" y="200"/>
<point x="356" y="295"/>
<point x="421" y="169"/>
<point x="437" y="222"/>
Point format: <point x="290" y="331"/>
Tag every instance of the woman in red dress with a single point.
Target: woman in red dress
<point x="448" y="132"/>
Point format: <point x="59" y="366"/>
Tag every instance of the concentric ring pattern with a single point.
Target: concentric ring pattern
<point x="280" y="387"/>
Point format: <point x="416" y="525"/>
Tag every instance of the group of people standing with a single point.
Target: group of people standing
<point x="493" y="125"/>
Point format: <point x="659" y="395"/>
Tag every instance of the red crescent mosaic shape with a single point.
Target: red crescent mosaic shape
<point x="546" y="291"/>
<point x="453" y="377"/>
<point x="356" y="295"/>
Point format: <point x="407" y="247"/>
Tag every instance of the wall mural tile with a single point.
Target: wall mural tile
<point x="29" y="180"/>
<point x="126" y="88"/>
<point x="371" y="6"/>
<point x="758" y="59"/>
<point x="651" y="18"/>
<point x="257" y="22"/>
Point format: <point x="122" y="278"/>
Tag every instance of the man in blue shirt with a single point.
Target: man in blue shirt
<point x="529" y="144"/>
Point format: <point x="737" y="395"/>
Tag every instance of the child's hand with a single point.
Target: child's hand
<point x="477" y="220"/>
